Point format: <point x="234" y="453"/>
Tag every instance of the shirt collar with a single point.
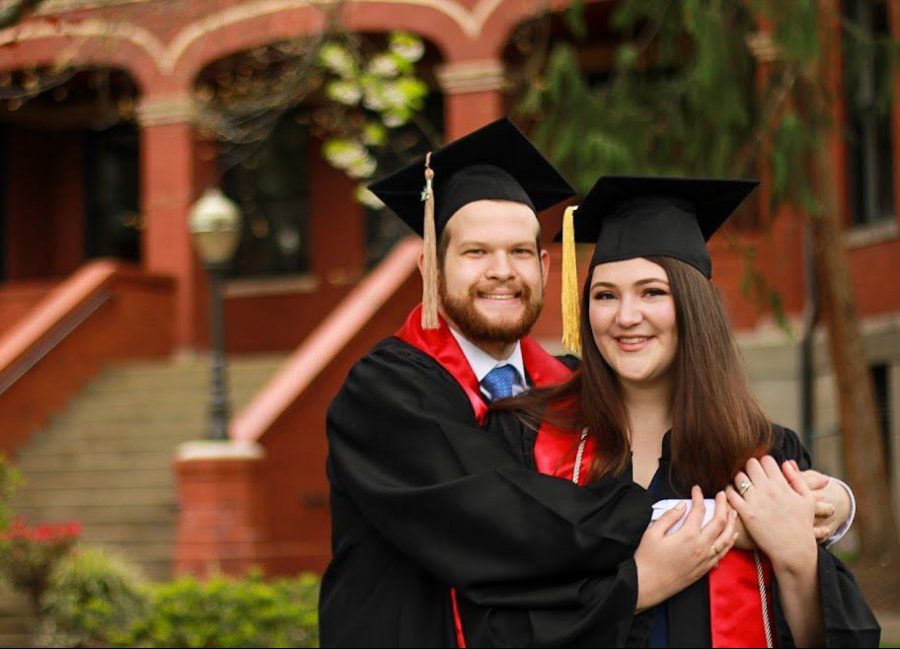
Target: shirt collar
<point x="482" y="362"/>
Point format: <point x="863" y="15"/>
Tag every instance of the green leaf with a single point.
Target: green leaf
<point x="575" y="21"/>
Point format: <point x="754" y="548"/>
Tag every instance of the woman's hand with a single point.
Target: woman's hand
<point x="778" y="510"/>
<point x="669" y="563"/>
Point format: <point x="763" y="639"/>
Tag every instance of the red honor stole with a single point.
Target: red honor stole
<point x="543" y="370"/>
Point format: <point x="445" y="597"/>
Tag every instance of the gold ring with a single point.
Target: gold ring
<point x="715" y="549"/>
<point x="744" y="487"/>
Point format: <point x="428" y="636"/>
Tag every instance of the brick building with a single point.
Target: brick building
<point x="97" y="269"/>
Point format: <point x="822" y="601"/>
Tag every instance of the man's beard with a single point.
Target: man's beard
<point x="482" y="331"/>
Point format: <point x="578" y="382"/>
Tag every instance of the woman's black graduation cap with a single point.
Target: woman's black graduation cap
<point x="640" y="216"/>
<point x="496" y="162"/>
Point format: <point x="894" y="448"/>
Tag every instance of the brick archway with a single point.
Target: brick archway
<point x="89" y="43"/>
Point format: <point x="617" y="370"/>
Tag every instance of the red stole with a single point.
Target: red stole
<point x="735" y="604"/>
<point x="542" y="369"/>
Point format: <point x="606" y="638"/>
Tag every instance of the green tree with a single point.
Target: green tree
<point x="704" y="87"/>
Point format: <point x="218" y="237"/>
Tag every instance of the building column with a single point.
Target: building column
<point x="473" y="95"/>
<point x="172" y="178"/>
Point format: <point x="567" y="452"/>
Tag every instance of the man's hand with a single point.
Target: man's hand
<point x="832" y="502"/>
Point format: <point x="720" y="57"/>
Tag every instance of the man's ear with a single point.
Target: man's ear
<point x="545" y="265"/>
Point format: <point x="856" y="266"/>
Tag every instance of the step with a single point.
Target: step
<point x="99" y="419"/>
<point x="88" y="497"/>
<point x="17" y="624"/>
<point x="157" y="477"/>
<point x="161" y="513"/>
<point x="15" y="640"/>
<point x="193" y="377"/>
<point x="198" y="362"/>
<point x="140" y="552"/>
<point x="158" y="570"/>
<point x="164" y="398"/>
<point x="149" y="440"/>
<point x="11" y="602"/>
<point x="112" y="444"/>
<point x="100" y="461"/>
<point x="114" y="533"/>
<point x="168" y="399"/>
<point x="99" y="432"/>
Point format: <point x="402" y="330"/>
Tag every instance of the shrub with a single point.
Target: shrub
<point x="93" y="597"/>
<point x="29" y="554"/>
<point x="228" y="612"/>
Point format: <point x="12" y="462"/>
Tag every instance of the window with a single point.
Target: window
<point x="867" y="93"/>
<point x="270" y="183"/>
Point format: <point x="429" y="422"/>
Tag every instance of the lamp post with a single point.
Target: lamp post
<point x="215" y="225"/>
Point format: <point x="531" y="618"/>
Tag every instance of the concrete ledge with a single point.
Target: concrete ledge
<point x="218" y="450"/>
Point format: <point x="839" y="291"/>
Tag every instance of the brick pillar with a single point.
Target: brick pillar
<point x="337" y="228"/>
<point x="473" y="95"/>
<point x="221" y="520"/>
<point x="171" y="181"/>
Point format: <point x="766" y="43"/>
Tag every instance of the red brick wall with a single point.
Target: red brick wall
<point x="876" y="277"/>
<point x="135" y="323"/>
<point x="269" y="323"/>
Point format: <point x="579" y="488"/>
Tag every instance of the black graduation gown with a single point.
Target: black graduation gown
<point x="848" y="620"/>
<point x="422" y="499"/>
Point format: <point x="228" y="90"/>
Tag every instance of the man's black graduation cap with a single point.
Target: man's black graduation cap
<point x="496" y="162"/>
<point x="635" y="216"/>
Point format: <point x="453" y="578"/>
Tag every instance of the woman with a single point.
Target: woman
<point x="662" y="399"/>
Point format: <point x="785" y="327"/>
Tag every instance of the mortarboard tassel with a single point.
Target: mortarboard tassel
<point x="430" y="278"/>
<point x="570" y="307"/>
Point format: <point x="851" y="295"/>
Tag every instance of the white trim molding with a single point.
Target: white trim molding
<point x="471" y="76"/>
<point x="168" y="109"/>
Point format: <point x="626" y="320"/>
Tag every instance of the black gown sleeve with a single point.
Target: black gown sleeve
<point x="588" y="612"/>
<point x="848" y="620"/>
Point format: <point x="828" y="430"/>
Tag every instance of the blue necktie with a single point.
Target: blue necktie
<point x="499" y="382"/>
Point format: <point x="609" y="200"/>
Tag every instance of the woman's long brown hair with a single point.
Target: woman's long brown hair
<point x="717" y="424"/>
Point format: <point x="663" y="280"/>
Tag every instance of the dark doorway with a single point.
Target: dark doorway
<point x="112" y="193"/>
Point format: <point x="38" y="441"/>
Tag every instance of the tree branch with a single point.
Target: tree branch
<point x="15" y="12"/>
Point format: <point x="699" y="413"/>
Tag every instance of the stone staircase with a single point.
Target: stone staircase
<point x="106" y="461"/>
<point x="17" y="623"/>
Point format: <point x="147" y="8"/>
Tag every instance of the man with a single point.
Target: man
<point x="429" y="490"/>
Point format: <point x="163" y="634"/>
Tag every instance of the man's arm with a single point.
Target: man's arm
<point x="455" y="500"/>
<point x="835" y="505"/>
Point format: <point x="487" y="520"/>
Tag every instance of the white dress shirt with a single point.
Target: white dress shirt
<point x="481" y="362"/>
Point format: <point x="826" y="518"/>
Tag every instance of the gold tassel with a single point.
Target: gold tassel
<point x="430" y="275"/>
<point x="571" y="308"/>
